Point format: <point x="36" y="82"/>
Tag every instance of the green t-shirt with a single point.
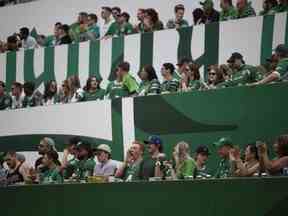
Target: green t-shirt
<point x="50" y="41"/>
<point x="229" y="14"/>
<point x="75" y="32"/>
<point x="281" y="8"/>
<point x="170" y="86"/>
<point x="149" y="87"/>
<point x="132" y="172"/>
<point x="147" y="168"/>
<point x="115" y="90"/>
<point x="172" y="23"/>
<point x="223" y="169"/>
<point x="33" y="100"/>
<point x="91" y="96"/>
<point x="177" y="75"/>
<point x="51" y="176"/>
<point x="130" y="83"/>
<point x="5" y="101"/>
<point x="187" y="168"/>
<point x="248" y="11"/>
<point x="84" y="168"/>
<point x="116" y="29"/>
<point x="195" y="85"/>
<point x="282" y="68"/>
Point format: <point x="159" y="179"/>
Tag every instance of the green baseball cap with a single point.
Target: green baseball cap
<point x="223" y="141"/>
<point x="207" y="4"/>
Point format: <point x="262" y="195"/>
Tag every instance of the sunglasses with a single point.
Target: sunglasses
<point x="212" y="74"/>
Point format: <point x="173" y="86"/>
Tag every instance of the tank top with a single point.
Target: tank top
<point x="15" y="177"/>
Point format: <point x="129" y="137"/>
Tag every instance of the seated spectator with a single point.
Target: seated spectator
<point x="278" y="166"/>
<point x="178" y="21"/>
<point x="202" y="154"/>
<point x="32" y="97"/>
<point x="77" y="93"/>
<point x="271" y="63"/>
<point x="151" y="21"/>
<point x="17" y="171"/>
<point x="226" y="71"/>
<point x="65" y="94"/>
<point x="228" y="11"/>
<point x="224" y="146"/>
<point x="5" y="99"/>
<point x="64" y="37"/>
<point x="150" y="84"/>
<point x="116" y="11"/>
<point x="282" y="6"/>
<point x="93" y="90"/>
<point x="93" y="31"/>
<point x="281" y="71"/>
<point x="51" y="175"/>
<point x="197" y="14"/>
<point x="183" y="67"/>
<point x="12" y="43"/>
<point x="185" y="165"/>
<point x="210" y="14"/>
<point x="54" y="39"/>
<point x="242" y="73"/>
<point x="151" y="165"/>
<point x="192" y="82"/>
<point x="244" y="9"/>
<point x="269" y="7"/>
<point x="170" y="84"/>
<point x="130" y="169"/>
<point x="17" y="99"/>
<point x="50" y="93"/>
<point x="250" y="166"/>
<point x="215" y="77"/>
<point x="77" y="28"/>
<point x="115" y="88"/>
<point x="28" y="42"/>
<point x="120" y="27"/>
<point x="108" y="20"/>
<point x="105" y="166"/>
<point x="140" y="16"/>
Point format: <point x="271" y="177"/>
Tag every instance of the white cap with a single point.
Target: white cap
<point x="104" y="147"/>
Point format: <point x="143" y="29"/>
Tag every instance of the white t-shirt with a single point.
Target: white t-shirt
<point x="29" y="43"/>
<point x="104" y="27"/>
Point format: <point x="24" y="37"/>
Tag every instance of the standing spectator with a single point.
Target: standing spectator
<point x="150" y="84"/>
<point x="269" y="7"/>
<point x="202" y="154"/>
<point x="52" y="40"/>
<point x="151" y="21"/>
<point x="228" y="11"/>
<point x="279" y="166"/>
<point x="65" y="94"/>
<point x="183" y="67"/>
<point x="50" y="93"/>
<point x="79" y="27"/>
<point x="93" y="91"/>
<point x="224" y="146"/>
<point x="108" y="20"/>
<point x="115" y="88"/>
<point x="105" y="165"/>
<point x="282" y="6"/>
<point x="210" y="14"/>
<point x="64" y="37"/>
<point x="28" y="42"/>
<point x="244" y="9"/>
<point x="51" y="175"/>
<point x="178" y="21"/>
<point x="281" y="71"/>
<point x="215" y="77"/>
<point x="197" y="14"/>
<point x="250" y="166"/>
<point x="120" y="27"/>
<point x="242" y="73"/>
<point x="116" y="11"/>
<point x="5" y="99"/>
<point x="12" y="43"/>
<point x="32" y="97"/>
<point x="93" y="31"/>
<point x="170" y="84"/>
<point x="130" y="169"/>
<point x="140" y="16"/>
<point x="17" y="98"/>
<point x="18" y="171"/>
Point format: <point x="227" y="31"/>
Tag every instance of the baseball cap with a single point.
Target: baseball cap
<point x="223" y="141"/>
<point x="234" y="56"/>
<point x="105" y="148"/>
<point x="153" y="140"/>
<point x="202" y="149"/>
<point x="84" y="145"/>
<point x="281" y="49"/>
<point x="207" y="3"/>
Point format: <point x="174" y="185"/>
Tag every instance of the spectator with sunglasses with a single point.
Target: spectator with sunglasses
<point x="192" y="81"/>
<point x="215" y="77"/>
<point x="121" y="26"/>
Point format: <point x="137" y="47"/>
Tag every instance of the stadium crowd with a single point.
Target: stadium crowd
<point x="82" y="162"/>
<point x="117" y="23"/>
<point x="184" y="78"/>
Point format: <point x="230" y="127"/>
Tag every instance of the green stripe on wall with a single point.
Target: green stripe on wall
<point x="94" y="59"/>
<point x="117" y="55"/>
<point x="146" y="48"/>
<point x="10" y="68"/>
<point x="49" y="73"/>
<point x="117" y="130"/>
<point x="185" y="40"/>
<point x="73" y="60"/>
<point x="29" y="65"/>
<point x="211" y="46"/>
<point x="267" y="37"/>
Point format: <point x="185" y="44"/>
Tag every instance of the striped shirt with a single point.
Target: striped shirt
<point x="152" y="87"/>
<point x="170" y="86"/>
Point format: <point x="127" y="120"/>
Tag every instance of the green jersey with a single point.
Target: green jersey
<point x="75" y="32"/>
<point x="132" y="172"/>
<point x="195" y="85"/>
<point x="50" y="41"/>
<point x="130" y="83"/>
<point x="5" y="101"/>
<point x="282" y="69"/>
<point x="33" y="100"/>
<point x="115" y="90"/>
<point x="223" y="169"/>
<point x="149" y="87"/>
<point x="172" y="23"/>
<point x="70" y="168"/>
<point x="147" y="168"/>
<point x="248" y="11"/>
<point x="117" y="29"/>
<point x="84" y="168"/>
<point x="177" y="75"/>
<point x="170" y="86"/>
<point x="92" y="33"/>
<point x="51" y="176"/>
<point x="229" y="14"/>
<point x="91" y="96"/>
<point x="187" y="168"/>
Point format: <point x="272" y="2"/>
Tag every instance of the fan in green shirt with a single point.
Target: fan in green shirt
<point x="169" y="85"/>
<point x="282" y="6"/>
<point x="269" y="7"/>
<point x="92" y="31"/>
<point x="228" y="11"/>
<point x="5" y="99"/>
<point x="179" y="21"/>
<point x="51" y="175"/>
<point x="244" y="9"/>
<point x="151" y="21"/>
<point x="93" y="90"/>
<point x="115" y="90"/>
<point x="79" y="27"/>
<point x="121" y="26"/>
<point x="32" y="98"/>
<point x="150" y="84"/>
